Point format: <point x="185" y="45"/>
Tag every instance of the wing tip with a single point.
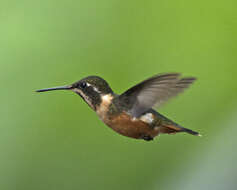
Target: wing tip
<point x="189" y="78"/>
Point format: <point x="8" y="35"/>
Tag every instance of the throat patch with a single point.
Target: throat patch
<point x="103" y="108"/>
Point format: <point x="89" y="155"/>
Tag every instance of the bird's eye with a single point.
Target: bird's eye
<point x="83" y="85"/>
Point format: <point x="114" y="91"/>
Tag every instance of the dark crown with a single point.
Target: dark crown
<point x="97" y="82"/>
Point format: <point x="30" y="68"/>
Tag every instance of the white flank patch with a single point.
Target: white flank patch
<point x="147" y="118"/>
<point x="134" y="119"/>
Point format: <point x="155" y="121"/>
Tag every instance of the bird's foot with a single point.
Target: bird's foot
<point x="147" y="138"/>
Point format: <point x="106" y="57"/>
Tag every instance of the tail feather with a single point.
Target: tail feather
<point x="172" y="129"/>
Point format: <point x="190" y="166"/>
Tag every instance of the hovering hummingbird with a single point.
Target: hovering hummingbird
<point x="131" y="114"/>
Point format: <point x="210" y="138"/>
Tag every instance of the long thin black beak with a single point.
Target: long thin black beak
<point x="56" y="88"/>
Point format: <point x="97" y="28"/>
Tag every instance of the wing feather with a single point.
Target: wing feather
<point x="154" y="91"/>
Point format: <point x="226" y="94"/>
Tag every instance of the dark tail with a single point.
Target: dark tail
<point x="170" y="127"/>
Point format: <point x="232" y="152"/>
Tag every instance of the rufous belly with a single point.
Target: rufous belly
<point x="127" y="126"/>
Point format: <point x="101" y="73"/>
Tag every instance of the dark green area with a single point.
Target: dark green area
<point x="55" y="141"/>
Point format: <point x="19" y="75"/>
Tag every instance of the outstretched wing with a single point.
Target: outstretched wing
<point x="154" y="91"/>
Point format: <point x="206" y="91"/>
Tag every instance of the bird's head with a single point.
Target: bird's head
<point x="91" y="89"/>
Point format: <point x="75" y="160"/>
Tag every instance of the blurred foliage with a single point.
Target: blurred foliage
<point x="54" y="141"/>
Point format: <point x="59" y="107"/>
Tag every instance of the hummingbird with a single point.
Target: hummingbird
<point x="132" y="113"/>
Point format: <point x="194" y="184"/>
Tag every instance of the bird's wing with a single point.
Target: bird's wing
<point x="154" y="91"/>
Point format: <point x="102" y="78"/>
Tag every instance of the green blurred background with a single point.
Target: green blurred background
<point x="54" y="141"/>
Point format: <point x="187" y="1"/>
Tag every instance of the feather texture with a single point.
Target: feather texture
<point x="154" y="92"/>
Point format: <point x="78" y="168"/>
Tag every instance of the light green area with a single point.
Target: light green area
<point x="53" y="141"/>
